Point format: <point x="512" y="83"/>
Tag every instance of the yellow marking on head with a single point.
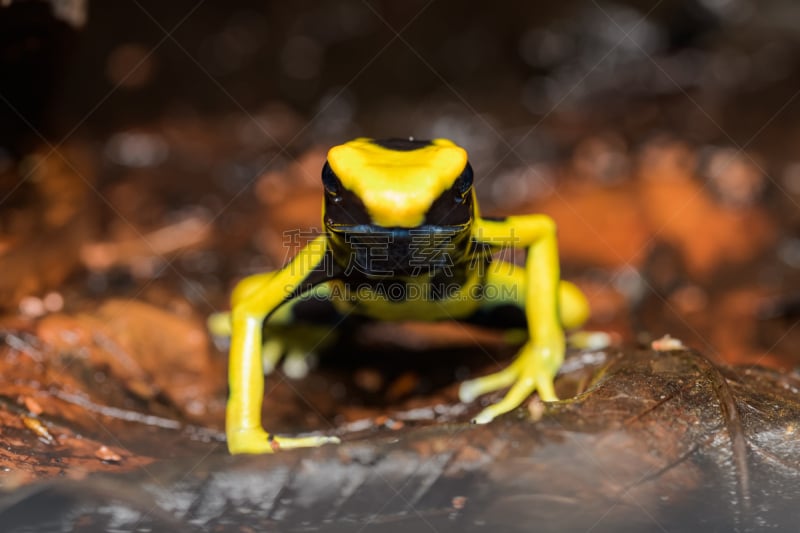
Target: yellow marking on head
<point x="397" y="187"/>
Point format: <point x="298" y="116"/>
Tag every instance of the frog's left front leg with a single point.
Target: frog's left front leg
<point x="539" y="359"/>
<point x="255" y="299"/>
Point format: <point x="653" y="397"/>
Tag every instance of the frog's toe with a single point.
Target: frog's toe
<point x="518" y="393"/>
<point x="288" y="443"/>
<point x="524" y="386"/>
<point x="473" y="388"/>
<point x="485" y="416"/>
<point x="219" y="324"/>
<point x="533" y="369"/>
<point x="256" y="440"/>
<point x="590" y="340"/>
<point x="271" y="353"/>
<point x="298" y="363"/>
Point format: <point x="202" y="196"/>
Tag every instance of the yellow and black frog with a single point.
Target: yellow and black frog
<point x="403" y="239"/>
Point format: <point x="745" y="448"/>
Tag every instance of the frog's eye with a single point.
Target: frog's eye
<point x="333" y="187"/>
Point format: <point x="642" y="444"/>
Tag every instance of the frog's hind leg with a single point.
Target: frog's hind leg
<point x="255" y="299"/>
<point x="503" y="300"/>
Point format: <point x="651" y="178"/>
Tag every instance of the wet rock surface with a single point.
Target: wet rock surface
<point x="658" y="440"/>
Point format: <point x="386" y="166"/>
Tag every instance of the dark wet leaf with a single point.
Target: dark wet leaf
<point x="659" y="441"/>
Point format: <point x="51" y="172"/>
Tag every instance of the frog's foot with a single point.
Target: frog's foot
<point x="256" y="440"/>
<point x="296" y="361"/>
<point x="295" y="348"/>
<point x="533" y="369"/>
<point x="590" y="340"/>
<point x="271" y="354"/>
<point x="219" y="324"/>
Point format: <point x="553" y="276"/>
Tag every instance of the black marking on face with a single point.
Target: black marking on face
<point x="402" y="145"/>
<point x="453" y="206"/>
<point x="342" y="206"/>
<point x="374" y="252"/>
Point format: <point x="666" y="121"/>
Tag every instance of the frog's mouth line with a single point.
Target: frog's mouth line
<point x="375" y="231"/>
<point x="378" y="251"/>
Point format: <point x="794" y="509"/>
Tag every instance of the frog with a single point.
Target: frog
<point x="403" y="239"/>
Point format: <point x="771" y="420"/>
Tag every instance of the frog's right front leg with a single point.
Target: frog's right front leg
<point x="254" y="299"/>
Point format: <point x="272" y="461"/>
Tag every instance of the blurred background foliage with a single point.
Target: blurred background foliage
<point x="226" y="110"/>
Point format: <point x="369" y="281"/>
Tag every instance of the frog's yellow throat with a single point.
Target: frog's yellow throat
<point x="397" y="186"/>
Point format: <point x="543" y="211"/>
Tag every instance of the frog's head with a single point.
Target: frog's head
<point x="397" y="184"/>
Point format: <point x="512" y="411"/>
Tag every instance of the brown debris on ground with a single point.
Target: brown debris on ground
<point x="43" y="448"/>
<point x="83" y="391"/>
<point x="153" y="353"/>
<point x="46" y="216"/>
